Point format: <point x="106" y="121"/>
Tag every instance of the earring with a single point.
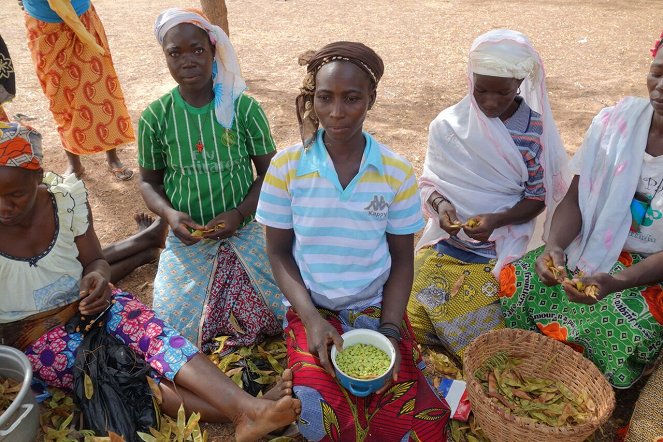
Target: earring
<point x="518" y="91"/>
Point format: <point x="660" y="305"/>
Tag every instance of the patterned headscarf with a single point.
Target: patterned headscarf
<point x="20" y="146"/>
<point x="357" y="53"/>
<point x="226" y="75"/>
<point x="657" y="45"/>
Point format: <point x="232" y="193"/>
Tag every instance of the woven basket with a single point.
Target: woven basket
<point x="545" y="358"/>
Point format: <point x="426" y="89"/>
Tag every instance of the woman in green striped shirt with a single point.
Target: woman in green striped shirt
<point x="197" y="147"/>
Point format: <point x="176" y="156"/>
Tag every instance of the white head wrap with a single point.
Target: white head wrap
<point x="473" y="160"/>
<point x="226" y="75"/>
<point x="503" y="60"/>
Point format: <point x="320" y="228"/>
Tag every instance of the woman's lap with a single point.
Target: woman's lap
<point x="205" y="291"/>
<point x="452" y="302"/>
<point x="53" y="355"/>
<point x="329" y="411"/>
<point x="235" y="305"/>
<point x="620" y="334"/>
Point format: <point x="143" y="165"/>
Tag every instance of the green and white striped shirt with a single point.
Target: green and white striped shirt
<point x="215" y="179"/>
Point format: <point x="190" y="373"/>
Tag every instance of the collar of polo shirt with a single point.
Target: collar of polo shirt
<point x="316" y="158"/>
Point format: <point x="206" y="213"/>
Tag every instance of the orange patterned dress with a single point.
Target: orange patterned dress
<point x="85" y="97"/>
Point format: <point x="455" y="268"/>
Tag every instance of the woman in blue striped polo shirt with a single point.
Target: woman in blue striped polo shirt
<point x="341" y="211"/>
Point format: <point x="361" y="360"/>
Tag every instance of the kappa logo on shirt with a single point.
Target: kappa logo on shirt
<point x="377" y="208"/>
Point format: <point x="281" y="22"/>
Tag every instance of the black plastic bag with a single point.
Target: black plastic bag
<point x="118" y="397"/>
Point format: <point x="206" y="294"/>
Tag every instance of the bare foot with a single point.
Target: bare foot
<point x="282" y="388"/>
<point x="153" y="230"/>
<point x="77" y="170"/>
<point x="266" y="416"/>
<point x="143" y="220"/>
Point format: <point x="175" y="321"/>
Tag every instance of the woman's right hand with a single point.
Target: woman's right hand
<point x="556" y="256"/>
<point x="321" y="335"/>
<point x="182" y="224"/>
<point x="448" y="219"/>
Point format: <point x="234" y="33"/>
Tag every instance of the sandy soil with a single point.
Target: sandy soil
<point x="595" y="51"/>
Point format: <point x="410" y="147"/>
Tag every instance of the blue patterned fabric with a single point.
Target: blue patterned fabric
<point x="184" y="278"/>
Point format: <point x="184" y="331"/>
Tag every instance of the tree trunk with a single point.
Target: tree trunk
<point x="217" y="13"/>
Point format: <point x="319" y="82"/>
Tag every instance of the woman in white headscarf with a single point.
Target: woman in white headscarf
<point x="197" y="147"/>
<point x="609" y="228"/>
<point x="495" y="161"/>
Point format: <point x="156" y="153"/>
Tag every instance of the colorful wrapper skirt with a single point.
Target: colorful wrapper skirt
<point x="219" y="288"/>
<point x="409" y="411"/>
<point x="452" y="301"/>
<point x="621" y="334"/>
<point x="53" y="355"/>
<point x="85" y="96"/>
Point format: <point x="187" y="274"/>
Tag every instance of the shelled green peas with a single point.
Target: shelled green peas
<point x="363" y="361"/>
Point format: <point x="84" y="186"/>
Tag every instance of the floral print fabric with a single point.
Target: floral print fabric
<point x="52" y="356"/>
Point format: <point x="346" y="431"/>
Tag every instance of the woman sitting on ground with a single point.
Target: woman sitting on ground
<point x="52" y="268"/>
<point x="494" y="163"/>
<point x="341" y="211"/>
<point x="196" y="146"/>
<point x="609" y="227"/>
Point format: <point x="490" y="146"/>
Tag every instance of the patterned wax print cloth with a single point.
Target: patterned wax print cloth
<point x="452" y="301"/>
<point x="219" y="288"/>
<point x="81" y="84"/>
<point x="7" y="79"/>
<point x="52" y="356"/>
<point x="409" y="411"/>
<point x="621" y="334"/>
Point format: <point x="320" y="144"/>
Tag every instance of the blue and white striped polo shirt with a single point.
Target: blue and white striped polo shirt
<point x="340" y="234"/>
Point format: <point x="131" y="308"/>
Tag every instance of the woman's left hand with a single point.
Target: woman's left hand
<point x="394" y="373"/>
<point x="486" y="223"/>
<point x="604" y="282"/>
<point x="224" y="225"/>
<point x="95" y="293"/>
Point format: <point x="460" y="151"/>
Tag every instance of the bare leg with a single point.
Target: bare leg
<point x="174" y="395"/>
<point x="75" y="165"/>
<point x="137" y="250"/>
<point x="151" y="235"/>
<point x="253" y="417"/>
<point x="120" y="269"/>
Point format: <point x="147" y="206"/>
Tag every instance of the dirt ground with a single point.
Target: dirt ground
<point x="596" y="51"/>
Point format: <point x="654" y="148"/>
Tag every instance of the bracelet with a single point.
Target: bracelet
<point x="393" y="324"/>
<point x="240" y="213"/>
<point x="435" y="204"/>
<point x="390" y="333"/>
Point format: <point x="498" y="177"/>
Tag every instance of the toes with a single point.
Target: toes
<point x="286" y="375"/>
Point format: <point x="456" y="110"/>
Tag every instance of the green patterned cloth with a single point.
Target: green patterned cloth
<point x="621" y="334"/>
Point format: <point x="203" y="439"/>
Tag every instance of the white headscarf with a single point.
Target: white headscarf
<point x="472" y="159"/>
<point x="226" y="75"/>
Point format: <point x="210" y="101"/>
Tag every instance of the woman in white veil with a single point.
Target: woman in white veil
<point x="495" y="161"/>
<point x="607" y="233"/>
